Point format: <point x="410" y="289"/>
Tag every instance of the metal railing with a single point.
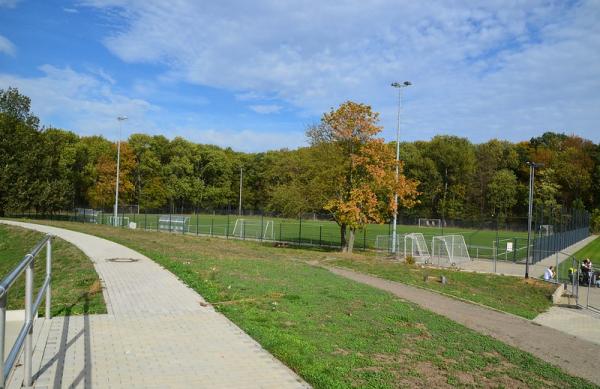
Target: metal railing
<point x="31" y="307"/>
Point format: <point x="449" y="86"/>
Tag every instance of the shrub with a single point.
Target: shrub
<point x="595" y="222"/>
<point x="410" y="260"/>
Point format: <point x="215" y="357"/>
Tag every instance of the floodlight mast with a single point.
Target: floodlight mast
<point x="399" y="86"/>
<point x="121" y="119"/>
<point x="532" y="167"/>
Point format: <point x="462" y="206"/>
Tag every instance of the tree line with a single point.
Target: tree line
<point x="346" y="171"/>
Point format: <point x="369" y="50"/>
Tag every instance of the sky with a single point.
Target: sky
<point x="253" y="75"/>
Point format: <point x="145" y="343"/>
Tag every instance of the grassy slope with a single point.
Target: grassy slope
<point x="75" y="285"/>
<point x="510" y="294"/>
<point x="591" y="251"/>
<point x="334" y="332"/>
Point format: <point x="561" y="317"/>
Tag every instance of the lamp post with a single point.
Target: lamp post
<point x="121" y="119"/>
<point x="399" y="86"/>
<point x="532" y="167"/>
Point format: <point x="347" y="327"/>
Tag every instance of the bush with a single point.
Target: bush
<point x="595" y="222"/>
<point x="410" y="260"/>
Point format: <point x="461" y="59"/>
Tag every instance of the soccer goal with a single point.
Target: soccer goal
<point x="88" y="215"/>
<point x="430" y="222"/>
<point x="118" y="221"/>
<point x="415" y="246"/>
<point x="253" y="229"/>
<point x="449" y="250"/>
<point x="175" y="223"/>
<point x="546" y="229"/>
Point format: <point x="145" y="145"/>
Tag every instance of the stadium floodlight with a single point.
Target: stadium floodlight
<point x="532" y="167"/>
<point x="399" y="87"/>
<point x="121" y="119"/>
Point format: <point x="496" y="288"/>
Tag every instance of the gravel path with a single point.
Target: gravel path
<point x="158" y="333"/>
<point x="574" y="355"/>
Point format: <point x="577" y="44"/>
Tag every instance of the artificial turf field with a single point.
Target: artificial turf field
<point x="320" y="232"/>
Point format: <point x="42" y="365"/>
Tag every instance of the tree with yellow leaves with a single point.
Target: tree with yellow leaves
<point x="362" y="170"/>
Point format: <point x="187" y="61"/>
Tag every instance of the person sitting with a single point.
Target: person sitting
<point x="549" y="273"/>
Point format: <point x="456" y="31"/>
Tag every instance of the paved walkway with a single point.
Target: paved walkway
<point x="157" y="334"/>
<point x="574" y="355"/>
<point x="518" y="269"/>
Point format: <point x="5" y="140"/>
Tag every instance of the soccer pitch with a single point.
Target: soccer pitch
<point x="322" y="232"/>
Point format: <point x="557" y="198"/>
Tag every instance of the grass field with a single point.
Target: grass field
<point x="76" y="287"/>
<point x="526" y="298"/>
<point x="591" y="251"/>
<point x="334" y="332"/>
<point x="322" y="232"/>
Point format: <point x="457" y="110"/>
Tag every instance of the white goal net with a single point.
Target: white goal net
<point x="253" y="229"/>
<point x="415" y="246"/>
<point x="449" y="250"/>
<point x="430" y="222"/>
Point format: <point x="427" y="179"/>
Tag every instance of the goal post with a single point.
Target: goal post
<point x="449" y="250"/>
<point x="412" y="244"/>
<point x="423" y="222"/>
<point x="253" y="229"/>
<point x="416" y="246"/>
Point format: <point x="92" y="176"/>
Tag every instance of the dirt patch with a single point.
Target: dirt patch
<point x="96" y="287"/>
<point x="340" y="351"/>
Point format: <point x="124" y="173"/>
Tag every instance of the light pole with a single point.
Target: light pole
<point x="121" y="119"/>
<point x="399" y="86"/>
<point x="532" y="166"/>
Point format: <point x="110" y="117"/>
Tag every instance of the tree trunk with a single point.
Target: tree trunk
<point x="351" y="240"/>
<point x="343" y="242"/>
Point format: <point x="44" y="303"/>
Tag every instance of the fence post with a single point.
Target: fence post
<point x="212" y="226"/>
<point x="27" y="380"/>
<point x="2" y="335"/>
<point x="145" y="219"/>
<point x="280" y="224"/>
<point x="169" y="220"/>
<point x="227" y="228"/>
<point x="49" y="276"/>
<point x="320" y="235"/>
<point x="300" y="231"/>
<point x="196" y="211"/>
<point x="262" y="221"/>
<point x="83" y="215"/>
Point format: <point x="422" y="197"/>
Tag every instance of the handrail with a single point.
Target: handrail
<point x="25" y="336"/>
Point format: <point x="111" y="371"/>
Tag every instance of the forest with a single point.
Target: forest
<point x="51" y="169"/>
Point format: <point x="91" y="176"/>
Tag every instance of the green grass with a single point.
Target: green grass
<point x="327" y="233"/>
<point x="591" y="251"/>
<point x="526" y="298"/>
<point x="76" y="288"/>
<point x="334" y="332"/>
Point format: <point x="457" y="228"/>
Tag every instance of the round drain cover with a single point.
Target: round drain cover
<point x="122" y="260"/>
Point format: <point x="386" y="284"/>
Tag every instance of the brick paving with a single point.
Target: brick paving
<point x="157" y="334"/>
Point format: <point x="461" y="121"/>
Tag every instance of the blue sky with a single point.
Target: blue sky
<point x="253" y="75"/>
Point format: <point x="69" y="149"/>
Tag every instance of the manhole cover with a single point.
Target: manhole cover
<point x="122" y="260"/>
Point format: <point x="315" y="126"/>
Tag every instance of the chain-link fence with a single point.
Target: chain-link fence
<point x="494" y="239"/>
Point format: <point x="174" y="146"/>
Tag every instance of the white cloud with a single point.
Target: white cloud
<point x="78" y="101"/>
<point x="265" y="108"/>
<point x="71" y="10"/>
<point x="6" y="46"/>
<point x="9" y="3"/>
<point x="496" y="68"/>
<point x="244" y="140"/>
